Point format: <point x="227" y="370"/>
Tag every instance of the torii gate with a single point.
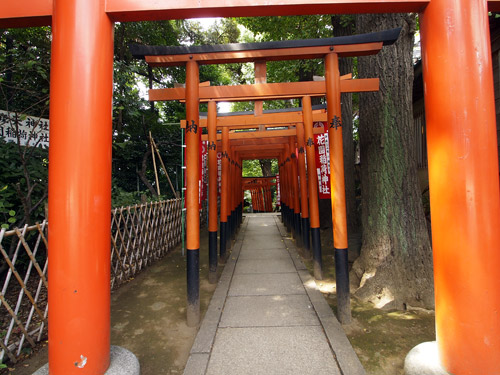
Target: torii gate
<point x="465" y="214"/>
<point x="262" y="184"/>
<point x="329" y="49"/>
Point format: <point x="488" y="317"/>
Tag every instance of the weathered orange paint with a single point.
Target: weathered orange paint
<point x="464" y="185"/>
<point x="151" y="10"/>
<point x="332" y="78"/>
<point x="212" y="167"/>
<point x="80" y="187"/>
<point x="260" y="68"/>
<point x="312" y="177"/>
<point x="265" y="91"/>
<point x="224" y="202"/>
<point x="304" y="204"/>
<point x="192" y="158"/>
<point x="295" y="176"/>
<point x="269" y="120"/>
<point x="262" y="134"/>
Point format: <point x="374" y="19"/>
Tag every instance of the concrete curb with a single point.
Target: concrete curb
<point x="122" y="362"/>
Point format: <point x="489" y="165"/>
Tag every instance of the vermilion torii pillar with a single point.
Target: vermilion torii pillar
<point x="332" y="77"/>
<point x="192" y="194"/>
<point x="462" y="163"/>
<point x="224" y="202"/>
<point x="312" y="184"/>
<point x="304" y="201"/>
<point x="463" y="182"/>
<point x="295" y="197"/>
<point x="212" y="192"/>
<point x="81" y="89"/>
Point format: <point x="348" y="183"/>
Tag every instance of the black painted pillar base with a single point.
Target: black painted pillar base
<point x="193" y="287"/>
<point x="342" y="281"/>
<point x="298" y="229"/>
<point x="316" y="247"/>
<point x="306" y="240"/>
<point x="287" y="219"/>
<point x="223" y="238"/>
<point x="212" y="257"/>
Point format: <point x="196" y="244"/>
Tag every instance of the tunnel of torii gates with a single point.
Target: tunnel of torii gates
<point x="260" y="191"/>
<point x="271" y="144"/>
<point x="462" y="158"/>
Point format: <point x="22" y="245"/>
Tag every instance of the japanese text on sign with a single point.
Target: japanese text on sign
<point x="28" y="130"/>
<point x="323" y="164"/>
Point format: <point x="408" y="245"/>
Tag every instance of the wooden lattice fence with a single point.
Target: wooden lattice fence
<point x="140" y="235"/>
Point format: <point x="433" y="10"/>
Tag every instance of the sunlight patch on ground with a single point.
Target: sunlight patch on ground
<point x="403" y="315"/>
<point x="311" y="284"/>
<point x="383" y="298"/>
<point x="327" y="287"/>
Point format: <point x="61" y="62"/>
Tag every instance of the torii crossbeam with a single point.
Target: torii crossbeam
<point x="462" y="151"/>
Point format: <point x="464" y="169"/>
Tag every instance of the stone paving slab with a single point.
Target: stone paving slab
<point x="264" y="254"/>
<point x="267" y="315"/>
<point x="266" y="284"/>
<point x="272" y="350"/>
<point x="264" y="266"/>
<point x="268" y="311"/>
<point x="259" y="241"/>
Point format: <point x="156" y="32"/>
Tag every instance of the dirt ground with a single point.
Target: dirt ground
<point x="148" y="318"/>
<point x="381" y="338"/>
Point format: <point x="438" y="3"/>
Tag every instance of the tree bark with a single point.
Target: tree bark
<point x="142" y="173"/>
<point x="395" y="266"/>
<point x="265" y="165"/>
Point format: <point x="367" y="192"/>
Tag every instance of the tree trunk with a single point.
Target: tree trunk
<point x="142" y="173"/>
<point x="265" y="165"/>
<point x="395" y="266"/>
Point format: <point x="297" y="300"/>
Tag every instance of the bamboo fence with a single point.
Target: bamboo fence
<point x="140" y="235"/>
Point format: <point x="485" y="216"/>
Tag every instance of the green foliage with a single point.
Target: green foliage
<point x="25" y="70"/>
<point x="23" y="184"/>
<point x="251" y="168"/>
<point x="290" y="28"/>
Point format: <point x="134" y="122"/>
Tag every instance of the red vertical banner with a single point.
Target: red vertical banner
<point x="204" y="170"/>
<point x="323" y="161"/>
<point x="219" y="172"/>
<point x="278" y="191"/>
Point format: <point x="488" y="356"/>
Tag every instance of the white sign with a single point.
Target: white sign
<point x="29" y="130"/>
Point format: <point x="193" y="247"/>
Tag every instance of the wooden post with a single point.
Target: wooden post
<point x="192" y="194"/>
<point x="224" y="194"/>
<point x="295" y="192"/>
<point x="463" y="181"/>
<point x="81" y="89"/>
<point x="290" y="214"/>
<point x="305" y="225"/>
<point x="313" y="188"/>
<point x="332" y="77"/>
<point x="212" y="191"/>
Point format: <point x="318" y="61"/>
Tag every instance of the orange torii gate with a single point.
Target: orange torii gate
<point x="262" y="186"/>
<point x="329" y="49"/>
<point x="465" y="214"/>
<point x="295" y="218"/>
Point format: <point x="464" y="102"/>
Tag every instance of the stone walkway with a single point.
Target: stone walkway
<point x="267" y="316"/>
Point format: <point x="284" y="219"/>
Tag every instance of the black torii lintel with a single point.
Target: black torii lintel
<point x="387" y="37"/>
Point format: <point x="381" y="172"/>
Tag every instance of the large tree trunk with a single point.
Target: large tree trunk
<point x="265" y="165"/>
<point x="395" y="266"/>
